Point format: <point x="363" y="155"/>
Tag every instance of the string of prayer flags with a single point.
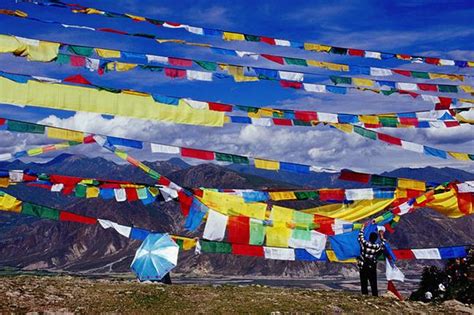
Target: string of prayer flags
<point x="73" y="98"/>
<point x="285" y="117"/>
<point x="406" y="145"/>
<point x="285" y="77"/>
<point x="11" y="204"/>
<point x="235" y="36"/>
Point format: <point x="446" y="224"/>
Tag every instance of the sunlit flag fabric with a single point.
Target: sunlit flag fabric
<point x="157" y="256"/>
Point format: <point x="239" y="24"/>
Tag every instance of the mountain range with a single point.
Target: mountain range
<point x="33" y="244"/>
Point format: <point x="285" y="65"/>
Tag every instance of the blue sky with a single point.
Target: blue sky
<point x="438" y="28"/>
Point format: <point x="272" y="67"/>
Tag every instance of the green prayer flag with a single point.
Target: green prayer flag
<point x="388" y="92"/>
<point x="257" y="232"/>
<point x="80" y="190"/>
<point x="303" y="195"/>
<point x="420" y="75"/>
<point x="80" y="50"/>
<point x="154" y="174"/>
<point x="295" y="61"/>
<point x="303" y="218"/>
<point x="63" y="59"/>
<point x="18" y="126"/>
<point x="151" y="68"/>
<point x="207" y="65"/>
<point x="366" y="133"/>
<point x="340" y="80"/>
<point x="39" y="211"/>
<point x="224" y="157"/>
<point x="388" y="121"/>
<point x="142" y="193"/>
<point x="215" y="247"/>
<point x="301" y="235"/>
<point x="383" y="181"/>
<point x="252" y="38"/>
<point x="447" y="88"/>
<point x="298" y="122"/>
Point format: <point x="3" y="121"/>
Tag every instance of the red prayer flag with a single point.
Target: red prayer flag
<point x="238" y="230"/>
<point x="175" y="73"/>
<point x="89" y="139"/>
<point x="391" y="288"/>
<point x="198" y="192"/>
<point x="180" y="62"/>
<point x="78" y="61"/>
<point x="29" y="178"/>
<point x="164" y="181"/>
<point x="220" y="107"/>
<point x="451" y="123"/>
<point x="444" y="103"/>
<point x="197" y="154"/>
<point x="409" y="121"/>
<point x="389" y="139"/>
<point x="306" y="115"/>
<point x="77" y="79"/>
<point x="111" y="30"/>
<point x="173" y="24"/>
<point x="276" y="59"/>
<point x="291" y="84"/>
<point x="332" y="194"/>
<point x="282" y="122"/>
<point x="132" y="194"/>
<point x="412" y="94"/>
<point x="406" y="73"/>
<point x="354" y="176"/>
<point x="427" y="87"/>
<point x="432" y="61"/>
<point x="185" y="202"/>
<point x="247" y="250"/>
<point x="267" y="40"/>
<point x="356" y="52"/>
<point x="2" y="121"/>
<point x="72" y="217"/>
<point x="372" y="125"/>
<point x="403" y="254"/>
<point x="389" y="228"/>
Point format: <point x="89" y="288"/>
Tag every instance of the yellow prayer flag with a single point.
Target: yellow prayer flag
<point x="369" y="119"/>
<point x="34" y="50"/>
<point x="362" y="82"/>
<point x="278" y="236"/>
<point x="34" y="151"/>
<point x="136" y="17"/>
<point x="122" y="66"/>
<point x="238" y="73"/>
<point x="281" y="215"/>
<point x="132" y="92"/>
<point x="335" y="66"/>
<point x="347" y="128"/>
<point x="470" y="64"/>
<point x="460" y="156"/>
<point x="9" y="203"/>
<point x="233" y="205"/>
<point x="405" y="183"/>
<point x="4" y="182"/>
<point x="92" y="192"/>
<point x="467" y="88"/>
<point x="332" y="257"/>
<point x="108" y="53"/>
<point x="317" y="47"/>
<point x="315" y="63"/>
<point x="452" y="77"/>
<point x="57" y="133"/>
<point x="161" y="41"/>
<point x="267" y="164"/>
<point x="282" y="195"/>
<point x="233" y="36"/>
<point x="86" y="99"/>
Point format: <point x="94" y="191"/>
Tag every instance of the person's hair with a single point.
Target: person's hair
<point x="373" y="237"/>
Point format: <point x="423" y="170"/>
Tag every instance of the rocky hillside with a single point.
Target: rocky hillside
<point x="38" y="244"/>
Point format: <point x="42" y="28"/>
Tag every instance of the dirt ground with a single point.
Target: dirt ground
<point x="26" y="293"/>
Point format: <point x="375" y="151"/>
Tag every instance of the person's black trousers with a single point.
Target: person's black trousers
<point x="368" y="274"/>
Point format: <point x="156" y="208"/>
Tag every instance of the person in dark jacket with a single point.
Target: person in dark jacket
<point x="367" y="261"/>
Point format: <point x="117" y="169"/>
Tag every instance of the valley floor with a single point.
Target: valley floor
<point x="27" y="293"/>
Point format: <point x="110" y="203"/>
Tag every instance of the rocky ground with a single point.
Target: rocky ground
<point x="28" y="293"/>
